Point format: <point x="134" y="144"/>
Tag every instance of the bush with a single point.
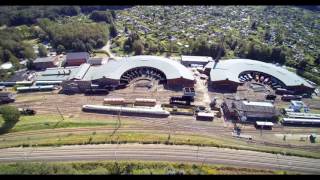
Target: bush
<point x="10" y="114"/>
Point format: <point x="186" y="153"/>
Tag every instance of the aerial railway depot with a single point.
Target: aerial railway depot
<point x="166" y="93"/>
<point x="151" y="72"/>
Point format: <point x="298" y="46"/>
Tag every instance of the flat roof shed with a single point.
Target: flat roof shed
<point x="262" y="123"/>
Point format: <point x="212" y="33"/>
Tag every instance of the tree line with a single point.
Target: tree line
<point x="73" y="36"/>
<point x="28" y="15"/>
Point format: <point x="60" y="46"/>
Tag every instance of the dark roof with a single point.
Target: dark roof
<point x="78" y="55"/>
<point x="249" y="110"/>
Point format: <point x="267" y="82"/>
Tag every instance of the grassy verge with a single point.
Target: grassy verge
<point x="125" y="167"/>
<point x="145" y="138"/>
<point x="40" y="122"/>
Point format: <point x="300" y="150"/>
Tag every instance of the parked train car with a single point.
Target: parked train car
<point x="7" y="84"/>
<point x="113" y="101"/>
<point x="145" y="102"/>
<point x="24" y="83"/>
<point x="39" y="83"/>
<point x="128" y="111"/>
<point x="96" y="91"/>
<point x="299" y="121"/>
<point x="35" y="88"/>
<point x="291" y="97"/>
<point x="282" y="91"/>
<point x="203" y="116"/>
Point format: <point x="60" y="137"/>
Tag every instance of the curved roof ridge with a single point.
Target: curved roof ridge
<point x="236" y="66"/>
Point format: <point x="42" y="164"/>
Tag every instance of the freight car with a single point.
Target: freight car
<point x="145" y="102"/>
<point x="35" y="88"/>
<point x="114" y="101"/>
<point x="128" y="111"/>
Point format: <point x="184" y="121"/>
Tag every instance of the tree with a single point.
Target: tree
<point x="137" y="47"/>
<point x="29" y="64"/>
<point x="113" y="31"/>
<point x="6" y="55"/>
<point x="42" y="51"/>
<point x="10" y="114"/>
<point x="60" y="49"/>
<point x="317" y="61"/>
<point x="277" y="55"/>
<point x="254" y="25"/>
<point x="15" y="62"/>
<point x="113" y="13"/>
<point x="29" y="52"/>
<point x="302" y="65"/>
<point x="105" y="16"/>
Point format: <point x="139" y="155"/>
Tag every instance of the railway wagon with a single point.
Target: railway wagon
<point x="145" y="102"/>
<point x="113" y="101"/>
<point x="24" y="83"/>
<point x="127" y="111"/>
<point x="7" y="84"/>
<point x="300" y="121"/>
<point x="290" y="97"/>
<point x="35" y="88"/>
<point x="202" y="116"/>
<point x="282" y="91"/>
<point x="39" y="83"/>
<point x="96" y="91"/>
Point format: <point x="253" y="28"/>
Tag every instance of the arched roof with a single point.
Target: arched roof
<point x="115" y="68"/>
<point x="230" y="69"/>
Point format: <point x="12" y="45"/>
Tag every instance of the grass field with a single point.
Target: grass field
<point x="100" y="137"/>
<point x="126" y="167"/>
<point x="40" y="122"/>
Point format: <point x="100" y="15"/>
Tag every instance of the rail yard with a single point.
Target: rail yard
<point x="163" y="101"/>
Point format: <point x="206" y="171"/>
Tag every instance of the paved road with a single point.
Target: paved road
<point x="207" y="155"/>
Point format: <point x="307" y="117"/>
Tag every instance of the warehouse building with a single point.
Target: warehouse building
<point x="190" y="61"/>
<point x="45" y="62"/>
<point x="225" y="74"/>
<point x="248" y="111"/>
<point x="76" y="58"/>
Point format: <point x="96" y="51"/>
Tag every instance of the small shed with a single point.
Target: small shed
<point x="190" y="61"/>
<point x="96" y="60"/>
<point x="264" y="125"/>
<point x="204" y="116"/>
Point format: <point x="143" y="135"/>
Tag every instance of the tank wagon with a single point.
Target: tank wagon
<point x="128" y="111"/>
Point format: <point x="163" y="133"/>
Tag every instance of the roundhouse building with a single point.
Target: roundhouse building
<point x="225" y="74"/>
<point x="116" y="72"/>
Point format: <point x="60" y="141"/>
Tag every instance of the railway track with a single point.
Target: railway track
<point x="208" y="155"/>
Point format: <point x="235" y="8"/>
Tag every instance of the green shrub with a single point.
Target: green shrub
<point x="10" y="115"/>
